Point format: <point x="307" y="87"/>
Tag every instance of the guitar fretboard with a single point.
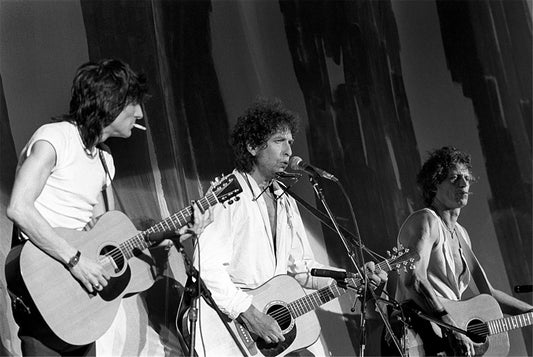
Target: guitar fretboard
<point x="510" y="323"/>
<point x="174" y="222"/>
<point x="313" y="300"/>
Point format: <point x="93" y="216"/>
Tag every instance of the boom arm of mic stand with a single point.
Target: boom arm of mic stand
<point x="192" y="274"/>
<point x="322" y="199"/>
<point x="322" y="217"/>
<point x="429" y="318"/>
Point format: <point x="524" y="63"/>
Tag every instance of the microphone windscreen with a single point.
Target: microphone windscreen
<point x="294" y="162"/>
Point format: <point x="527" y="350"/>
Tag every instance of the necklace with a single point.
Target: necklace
<point x="452" y="231"/>
<point x="91" y="153"/>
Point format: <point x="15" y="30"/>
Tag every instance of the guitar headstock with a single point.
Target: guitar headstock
<point x="400" y="259"/>
<point x="226" y="189"/>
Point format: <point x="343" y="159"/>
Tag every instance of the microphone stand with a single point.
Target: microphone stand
<point x="329" y="221"/>
<point x="195" y="288"/>
<point x="322" y="217"/>
<point x="351" y="254"/>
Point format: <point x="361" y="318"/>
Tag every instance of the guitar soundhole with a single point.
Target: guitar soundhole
<point x="479" y="331"/>
<point x="112" y="256"/>
<point x="282" y="315"/>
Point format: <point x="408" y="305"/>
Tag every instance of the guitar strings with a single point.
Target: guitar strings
<point x="479" y="329"/>
<point x="283" y="316"/>
<point x="118" y="255"/>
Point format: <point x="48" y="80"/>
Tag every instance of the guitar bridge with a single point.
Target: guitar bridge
<point x="246" y="338"/>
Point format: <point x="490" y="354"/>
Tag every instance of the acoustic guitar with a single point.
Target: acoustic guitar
<point x="74" y="315"/>
<point x="480" y="316"/>
<point x="283" y="299"/>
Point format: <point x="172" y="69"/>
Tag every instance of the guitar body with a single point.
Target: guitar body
<point x="212" y="338"/>
<point x="72" y="313"/>
<point x="425" y="339"/>
<point x="285" y="301"/>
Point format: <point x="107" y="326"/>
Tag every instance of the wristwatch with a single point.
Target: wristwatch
<point x="74" y="260"/>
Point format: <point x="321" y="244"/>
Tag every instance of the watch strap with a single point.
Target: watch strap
<point x="74" y="260"/>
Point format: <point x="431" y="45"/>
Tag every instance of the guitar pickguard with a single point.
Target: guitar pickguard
<point x="280" y="312"/>
<point x="116" y="285"/>
<point x="275" y="349"/>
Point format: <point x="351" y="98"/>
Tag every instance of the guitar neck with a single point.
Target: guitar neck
<point x="313" y="300"/>
<point x="510" y="323"/>
<point x="171" y="223"/>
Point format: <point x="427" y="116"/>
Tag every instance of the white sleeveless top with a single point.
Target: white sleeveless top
<point x="442" y="274"/>
<point x="71" y="191"/>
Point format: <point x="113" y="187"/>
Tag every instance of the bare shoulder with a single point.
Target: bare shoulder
<point x="420" y="218"/>
<point x="421" y="225"/>
<point x="43" y="152"/>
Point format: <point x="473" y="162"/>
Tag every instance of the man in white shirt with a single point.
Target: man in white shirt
<point x="261" y="235"/>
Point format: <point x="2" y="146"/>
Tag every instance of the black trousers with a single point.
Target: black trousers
<point x="36" y="337"/>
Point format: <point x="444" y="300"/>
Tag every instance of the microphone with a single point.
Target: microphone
<point x="334" y="274"/>
<point x="156" y="237"/>
<point x="523" y="288"/>
<point x="298" y="164"/>
<point x="288" y="175"/>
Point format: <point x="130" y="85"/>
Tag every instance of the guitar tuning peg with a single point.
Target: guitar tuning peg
<point x="395" y="250"/>
<point x="230" y="202"/>
<point x="388" y="253"/>
<point x="237" y="198"/>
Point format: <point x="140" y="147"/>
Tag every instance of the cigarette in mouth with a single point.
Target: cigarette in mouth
<point x="138" y="126"/>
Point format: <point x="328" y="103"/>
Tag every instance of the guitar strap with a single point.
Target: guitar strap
<point x="103" y="147"/>
<point x="480" y="278"/>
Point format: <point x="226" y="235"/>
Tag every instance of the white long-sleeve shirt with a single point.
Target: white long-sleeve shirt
<point x="237" y="250"/>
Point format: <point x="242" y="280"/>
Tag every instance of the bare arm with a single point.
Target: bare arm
<point x="509" y="304"/>
<point x="420" y="234"/>
<point x="29" y="182"/>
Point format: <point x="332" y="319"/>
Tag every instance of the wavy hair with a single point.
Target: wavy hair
<point x="436" y="168"/>
<point x="100" y="91"/>
<point x="258" y="123"/>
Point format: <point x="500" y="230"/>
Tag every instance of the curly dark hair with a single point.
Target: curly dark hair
<point x="258" y="123"/>
<point x="100" y="91"/>
<point x="436" y="169"/>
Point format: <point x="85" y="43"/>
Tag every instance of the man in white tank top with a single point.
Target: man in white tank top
<point x="444" y="246"/>
<point x="61" y="178"/>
